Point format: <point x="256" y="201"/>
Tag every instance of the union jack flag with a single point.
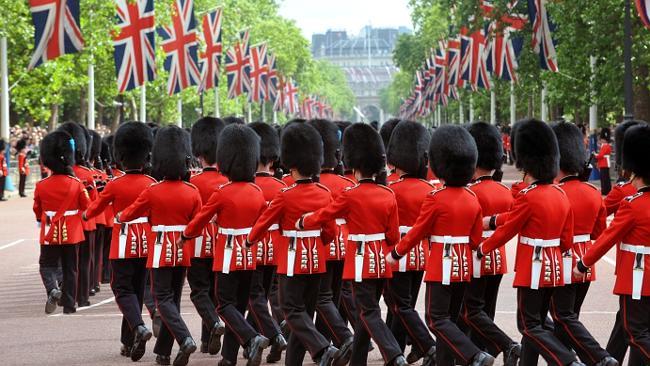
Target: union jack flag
<point x="543" y="28"/>
<point x="306" y="108"/>
<point x="440" y="60"/>
<point x="453" y="61"/>
<point x="279" y="103"/>
<point x="272" y="79"/>
<point x="56" y="29"/>
<point x="211" y="58"/>
<point x="258" y="71"/>
<point x="238" y="66"/>
<point x="474" y="68"/>
<point x="504" y="46"/>
<point x="291" y="96"/>
<point x="181" y="45"/>
<point x="134" y="51"/>
<point x="643" y="7"/>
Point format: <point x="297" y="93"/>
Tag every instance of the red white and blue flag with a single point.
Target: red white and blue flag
<point x="291" y="97"/>
<point x="271" y="79"/>
<point x="238" y="66"/>
<point x="134" y="50"/>
<point x="280" y="97"/>
<point x="643" y="7"/>
<point x="258" y="72"/>
<point x="543" y="28"/>
<point x="211" y="58"/>
<point x="505" y="45"/>
<point x="180" y="43"/>
<point x="56" y="29"/>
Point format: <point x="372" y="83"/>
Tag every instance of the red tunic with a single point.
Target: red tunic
<point x="286" y="208"/>
<point x="410" y="193"/>
<point x="517" y="187"/>
<point x="207" y="182"/>
<point x="542" y="217"/>
<point x="631" y="228"/>
<point x="288" y="179"/>
<point x="337" y="184"/>
<point x="369" y="209"/>
<point x="129" y="239"/>
<point x="87" y="178"/>
<point x="494" y="198"/>
<point x="589" y="221"/>
<point x="603" y="157"/>
<point x="50" y="195"/>
<point x="100" y="180"/>
<point x="3" y="166"/>
<point x="236" y="206"/>
<point x="266" y="251"/>
<point x="617" y="194"/>
<point x="169" y="205"/>
<point x="451" y="218"/>
<point x="23" y="167"/>
<point x="393" y="177"/>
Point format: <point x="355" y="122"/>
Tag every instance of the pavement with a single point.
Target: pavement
<point x="91" y="336"/>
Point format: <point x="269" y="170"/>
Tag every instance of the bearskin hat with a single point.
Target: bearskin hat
<point x="489" y="145"/>
<point x="573" y="154"/>
<point x="375" y="125"/>
<point x="132" y="145"/>
<point x="89" y="143"/>
<point x="513" y="138"/>
<point x="21" y="144"/>
<point x="269" y="142"/>
<point x="171" y="153"/>
<point x="57" y="152"/>
<point x="363" y="149"/>
<point x="636" y="149"/>
<point x="205" y="134"/>
<point x="96" y="146"/>
<point x="453" y="155"/>
<point x="408" y="148"/>
<point x="605" y="134"/>
<point x="387" y="129"/>
<point x="538" y="153"/>
<point x="329" y="132"/>
<point x="79" y="135"/>
<point x="237" y="152"/>
<point x="619" y="134"/>
<point x="2" y="144"/>
<point x="106" y="154"/>
<point x="301" y="149"/>
<point x="233" y="120"/>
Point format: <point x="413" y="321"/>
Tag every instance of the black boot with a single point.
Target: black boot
<point x="607" y="361"/>
<point x="328" y="356"/>
<point x="429" y="358"/>
<point x="482" y="359"/>
<point x="141" y="335"/>
<point x="125" y="351"/>
<point x="186" y="349"/>
<point x="278" y="344"/>
<point x="511" y="356"/>
<point x="163" y="360"/>
<point x="345" y="353"/>
<point x="254" y="349"/>
<point x="399" y="361"/>
<point x="214" y="344"/>
<point x="52" y="300"/>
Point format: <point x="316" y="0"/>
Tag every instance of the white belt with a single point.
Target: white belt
<point x="448" y="241"/>
<point x="291" y="250"/>
<point x="274" y="227"/>
<point x="536" y="264"/>
<point x="67" y="213"/>
<point x="301" y="233"/>
<point x="235" y="232"/>
<point x="340" y="222"/>
<point x="487" y="234"/>
<point x="405" y="229"/>
<point x="361" y="240"/>
<point x="168" y="228"/>
<point x="640" y="252"/>
<point x="124" y="233"/>
<point x="581" y="238"/>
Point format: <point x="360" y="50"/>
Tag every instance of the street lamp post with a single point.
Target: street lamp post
<point x="627" y="56"/>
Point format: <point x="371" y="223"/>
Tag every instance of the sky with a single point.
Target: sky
<point x="317" y="16"/>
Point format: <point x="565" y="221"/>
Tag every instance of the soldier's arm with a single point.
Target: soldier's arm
<point x="269" y="217"/>
<point x="336" y="209"/>
<point x="392" y="232"/>
<point x="420" y="229"/>
<point x="38" y="209"/>
<point x="139" y="208"/>
<point x="476" y="235"/>
<point x="623" y="222"/>
<point x="99" y="205"/>
<point x="203" y="217"/>
<point x="613" y="199"/>
<point x="601" y="221"/>
<point x="517" y="216"/>
<point x="566" y="238"/>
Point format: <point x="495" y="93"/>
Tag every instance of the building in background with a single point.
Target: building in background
<point x="366" y="59"/>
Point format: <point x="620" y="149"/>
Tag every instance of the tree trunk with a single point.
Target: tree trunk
<point x="116" y="120"/>
<point x="642" y="94"/>
<point x="54" y="117"/>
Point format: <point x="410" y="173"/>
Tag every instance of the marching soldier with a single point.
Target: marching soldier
<point x="205" y="134"/>
<point x="386" y="132"/>
<point x="329" y="320"/>
<point x="129" y="243"/>
<point x="267" y="249"/>
<point x="100" y="177"/>
<point x="168" y="205"/>
<point x="58" y="202"/>
<point x="23" y="165"/>
<point x="106" y="158"/>
<point x="407" y="153"/>
<point x="480" y="302"/>
<point x="603" y="160"/>
<point x="589" y="220"/>
<point x="370" y="212"/>
<point x="3" y="169"/>
<point x="630" y="228"/>
<point x="301" y="253"/>
<point x="236" y="206"/>
<point x="543" y="218"/>
<point x="451" y="218"/>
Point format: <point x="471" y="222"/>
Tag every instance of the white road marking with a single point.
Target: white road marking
<point x="109" y="300"/>
<point x="12" y="244"/>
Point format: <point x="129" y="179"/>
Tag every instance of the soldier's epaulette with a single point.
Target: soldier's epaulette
<point x="278" y="180"/>
<point x="289" y="187"/>
<point x="633" y="197"/>
<point x="285" y="175"/>
<point x="224" y="185"/>
<point x="621" y="184"/>
<point x="386" y="188"/>
<point x="323" y="187"/>
<point x="591" y="185"/>
<point x="191" y="185"/>
<point x="433" y="193"/>
<point x="558" y="188"/>
<point x="427" y="182"/>
<point x="470" y="191"/>
<point x="395" y="182"/>
<point x="472" y="184"/>
<point x="347" y="179"/>
<point x="528" y="189"/>
<point x="256" y="186"/>
<point x="503" y="185"/>
<point x="69" y="176"/>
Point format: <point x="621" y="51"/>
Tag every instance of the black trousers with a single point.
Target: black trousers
<point x="85" y="261"/>
<point x="49" y="259"/>
<point x="568" y="328"/>
<point x="298" y="296"/>
<point x="366" y="295"/>
<point x="22" y="180"/>
<point x="259" y="315"/>
<point x="201" y="280"/>
<point x="149" y="301"/>
<point x="635" y="315"/>
<point x="127" y="283"/>
<point x="348" y="307"/>
<point x="167" y="289"/>
<point x="274" y="300"/>
<point x="617" y="344"/>
<point x="105" y="274"/>
<point x="530" y="306"/>
<point x="443" y="303"/>
<point x="605" y="181"/>
<point x="232" y="298"/>
<point x="401" y="293"/>
<point x="2" y="186"/>
<point x="477" y="313"/>
<point x="329" y="321"/>
<point x="98" y="252"/>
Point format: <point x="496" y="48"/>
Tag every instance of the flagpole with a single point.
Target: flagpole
<point x="513" y="104"/>
<point x="493" y="107"/>
<point x="593" y="109"/>
<point x="143" y="103"/>
<point x="217" y="112"/>
<point x="461" y="113"/>
<point x="4" y="90"/>
<point x="91" y="96"/>
<point x="275" y="117"/>
<point x="179" y="106"/>
<point x="471" y="109"/>
<point x="250" y="112"/>
<point x="263" y="111"/>
<point x="544" y="107"/>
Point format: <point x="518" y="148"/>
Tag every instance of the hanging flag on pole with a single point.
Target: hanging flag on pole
<point x="258" y="72"/>
<point x="238" y="66"/>
<point x="504" y="46"/>
<point x="543" y="29"/>
<point x="134" y="47"/>
<point x="643" y="7"/>
<point x="211" y="58"/>
<point x="181" y="45"/>
<point x="271" y="79"/>
<point x="291" y="94"/>
<point x="56" y="29"/>
<point x="280" y="98"/>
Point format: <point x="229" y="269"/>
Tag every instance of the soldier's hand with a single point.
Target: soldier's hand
<point x="577" y="273"/>
<point x="180" y="241"/>
<point x="390" y="260"/>
<point x="486" y="222"/>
